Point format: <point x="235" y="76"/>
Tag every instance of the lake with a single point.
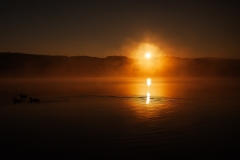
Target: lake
<point x="120" y="118"/>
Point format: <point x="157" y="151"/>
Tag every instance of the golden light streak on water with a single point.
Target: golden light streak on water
<point x="148" y="98"/>
<point x="149" y="82"/>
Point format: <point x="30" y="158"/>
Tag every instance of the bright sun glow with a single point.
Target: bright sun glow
<point x="148" y="55"/>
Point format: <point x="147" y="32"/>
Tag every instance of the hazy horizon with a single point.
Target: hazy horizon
<point x="21" y="65"/>
<point x="117" y="55"/>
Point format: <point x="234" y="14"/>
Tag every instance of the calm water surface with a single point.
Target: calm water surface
<point x="145" y="118"/>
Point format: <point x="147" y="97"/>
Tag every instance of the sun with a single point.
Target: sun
<point x="148" y="55"/>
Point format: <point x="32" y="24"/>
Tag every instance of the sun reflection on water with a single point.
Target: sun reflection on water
<point x="148" y="98"/>
<point x="148" y="102"/>
<point x="149" y="82"/>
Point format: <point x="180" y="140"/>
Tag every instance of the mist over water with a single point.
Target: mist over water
<point x="120" y="117"/>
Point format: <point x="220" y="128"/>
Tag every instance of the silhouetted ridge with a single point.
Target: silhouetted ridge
<point x="30" y="65"/>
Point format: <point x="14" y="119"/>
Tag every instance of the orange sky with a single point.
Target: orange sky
<point x="186" y="28"/>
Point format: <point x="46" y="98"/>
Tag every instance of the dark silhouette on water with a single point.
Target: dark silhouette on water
<point x="23" y="96"/>
<point x="15" y="100"/>
<point x="34" y="100"/>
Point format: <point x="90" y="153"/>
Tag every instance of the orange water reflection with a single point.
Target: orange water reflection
<point x="148" y="98"/>
<point x="149" y="82"/>
<point x="147" y="105"/>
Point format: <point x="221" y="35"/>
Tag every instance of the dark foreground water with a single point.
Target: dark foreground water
<point x="120" y="119"/>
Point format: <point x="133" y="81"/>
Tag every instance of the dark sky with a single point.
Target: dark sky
<point x="101" y="28"/>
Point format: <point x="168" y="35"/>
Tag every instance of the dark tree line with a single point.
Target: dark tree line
<point x="30" y="65"/>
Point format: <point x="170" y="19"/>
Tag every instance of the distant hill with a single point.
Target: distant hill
<point x="30" y="65"/>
